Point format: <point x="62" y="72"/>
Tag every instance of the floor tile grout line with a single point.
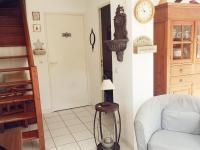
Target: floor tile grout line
<point x="63" y="121"/>
<point x="85" y="126"/>
<point x="50" y="133"/>
<point x="70" y="132"/>
<point x="84" y="123"/>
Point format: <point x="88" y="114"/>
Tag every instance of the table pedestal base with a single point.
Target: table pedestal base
<point x="116" y="146"/>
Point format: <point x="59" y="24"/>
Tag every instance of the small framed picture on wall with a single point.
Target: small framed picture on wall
<point x="36" y="28"/>
<point x="36" y="16"/>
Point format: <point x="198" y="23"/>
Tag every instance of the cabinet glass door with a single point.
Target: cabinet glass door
<point x="182" y="42"/>
<point x="177" y="33"/>
<point x="187" y="33"/>
<point x="177" y="51"/>
<point x="198" y="42"/>
<point x="186" y="51"/>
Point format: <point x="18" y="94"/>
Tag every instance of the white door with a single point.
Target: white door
<point x="67" y="61"/>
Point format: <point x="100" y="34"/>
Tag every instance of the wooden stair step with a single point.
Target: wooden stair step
<point x="11" y="30"/>
<point x="9" y="12"/>
<point x="12" y="40"/>
<point x="17" y="83"/>
<point x="30" y="135"/>
<point x="10" y="21"/>
<point x="13" y="57"/>
<point x="14" y="69"/>
<point x="17" y="117"/>
<point x="7" y="94"/>
<point x="15" y="99"/>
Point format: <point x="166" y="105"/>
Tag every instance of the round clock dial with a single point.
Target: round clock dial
<point x="144" y="11"/>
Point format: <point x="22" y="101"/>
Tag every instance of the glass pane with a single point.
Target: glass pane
<point x="198" y="33"/>
<point x="198" y="51"/>
<point x="187" y="32"/>
<point x="177" y="53"/>
<point x="177" y="34"/>
<point x="186" y="51"/>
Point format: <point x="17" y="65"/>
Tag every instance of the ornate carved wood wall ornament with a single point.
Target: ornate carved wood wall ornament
<point x="120" y="41"/>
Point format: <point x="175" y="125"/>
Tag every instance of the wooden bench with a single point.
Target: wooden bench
<point x="11" y="139"/>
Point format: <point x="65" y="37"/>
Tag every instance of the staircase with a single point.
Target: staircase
<point x="11" y="27"/>
<point x="20" y="99"/>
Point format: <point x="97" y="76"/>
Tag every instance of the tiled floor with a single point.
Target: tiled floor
<point x="67" y="130"/>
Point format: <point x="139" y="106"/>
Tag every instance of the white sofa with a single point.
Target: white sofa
<point x="169" y="122"/>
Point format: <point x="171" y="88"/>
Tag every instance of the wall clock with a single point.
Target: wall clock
<point x="144" y="11"/>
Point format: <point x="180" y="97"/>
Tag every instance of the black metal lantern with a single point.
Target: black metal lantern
<point x="107" y="126"/>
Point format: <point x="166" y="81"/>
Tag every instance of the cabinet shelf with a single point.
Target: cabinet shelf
<point x="182" y="42"/>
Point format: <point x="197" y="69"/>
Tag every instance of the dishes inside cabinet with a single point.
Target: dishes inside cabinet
<point x="177" y="33"/>
<point x="187" y="32"/>
<point x="177" y="52"/>
<point x="186" y="51"/>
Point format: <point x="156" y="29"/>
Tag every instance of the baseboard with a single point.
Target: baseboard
<point x="45" y="111"/>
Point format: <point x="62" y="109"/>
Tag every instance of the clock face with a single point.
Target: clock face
<point x="144" y="11"/>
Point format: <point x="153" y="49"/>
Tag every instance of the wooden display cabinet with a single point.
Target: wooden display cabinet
<point x="177" y="61"/>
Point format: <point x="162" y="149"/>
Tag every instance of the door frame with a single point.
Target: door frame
<point x="48" y="55"/>
<point x="101" y="43"/>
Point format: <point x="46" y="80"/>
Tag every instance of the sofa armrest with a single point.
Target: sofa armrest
<point x="147" y="121"/>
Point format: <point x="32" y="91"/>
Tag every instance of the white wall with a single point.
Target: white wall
<point x="142" y="67"/>
<point x="46" y="6"/>
<point x="122" y="76"/>
<point x="122" y="71"/>
<point x="94" y="58"/>
<point x="133" y="78"/>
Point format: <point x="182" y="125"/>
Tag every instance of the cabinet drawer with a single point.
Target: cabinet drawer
<point x="196" y="79"/>
<point x="196" y="90"/>
<point x="197" y="68"/>
<point x="182" y="70"/>
<point x="181" y="80"/>
<point x="181" y="90"/>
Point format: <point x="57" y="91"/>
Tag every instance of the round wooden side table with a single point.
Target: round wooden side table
<point x="107" y="108"/>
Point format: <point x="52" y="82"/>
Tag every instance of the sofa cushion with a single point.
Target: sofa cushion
<point x="182" y="114"/>
<point x="180" y="121"/>
<point x="170" y="140"/>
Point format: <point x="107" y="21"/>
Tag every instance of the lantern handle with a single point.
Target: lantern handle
<point x="101" y="133"/>
<point x="114" y="117"/>
<point x="94" y="127"/>
<point x="119" y="126"/>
